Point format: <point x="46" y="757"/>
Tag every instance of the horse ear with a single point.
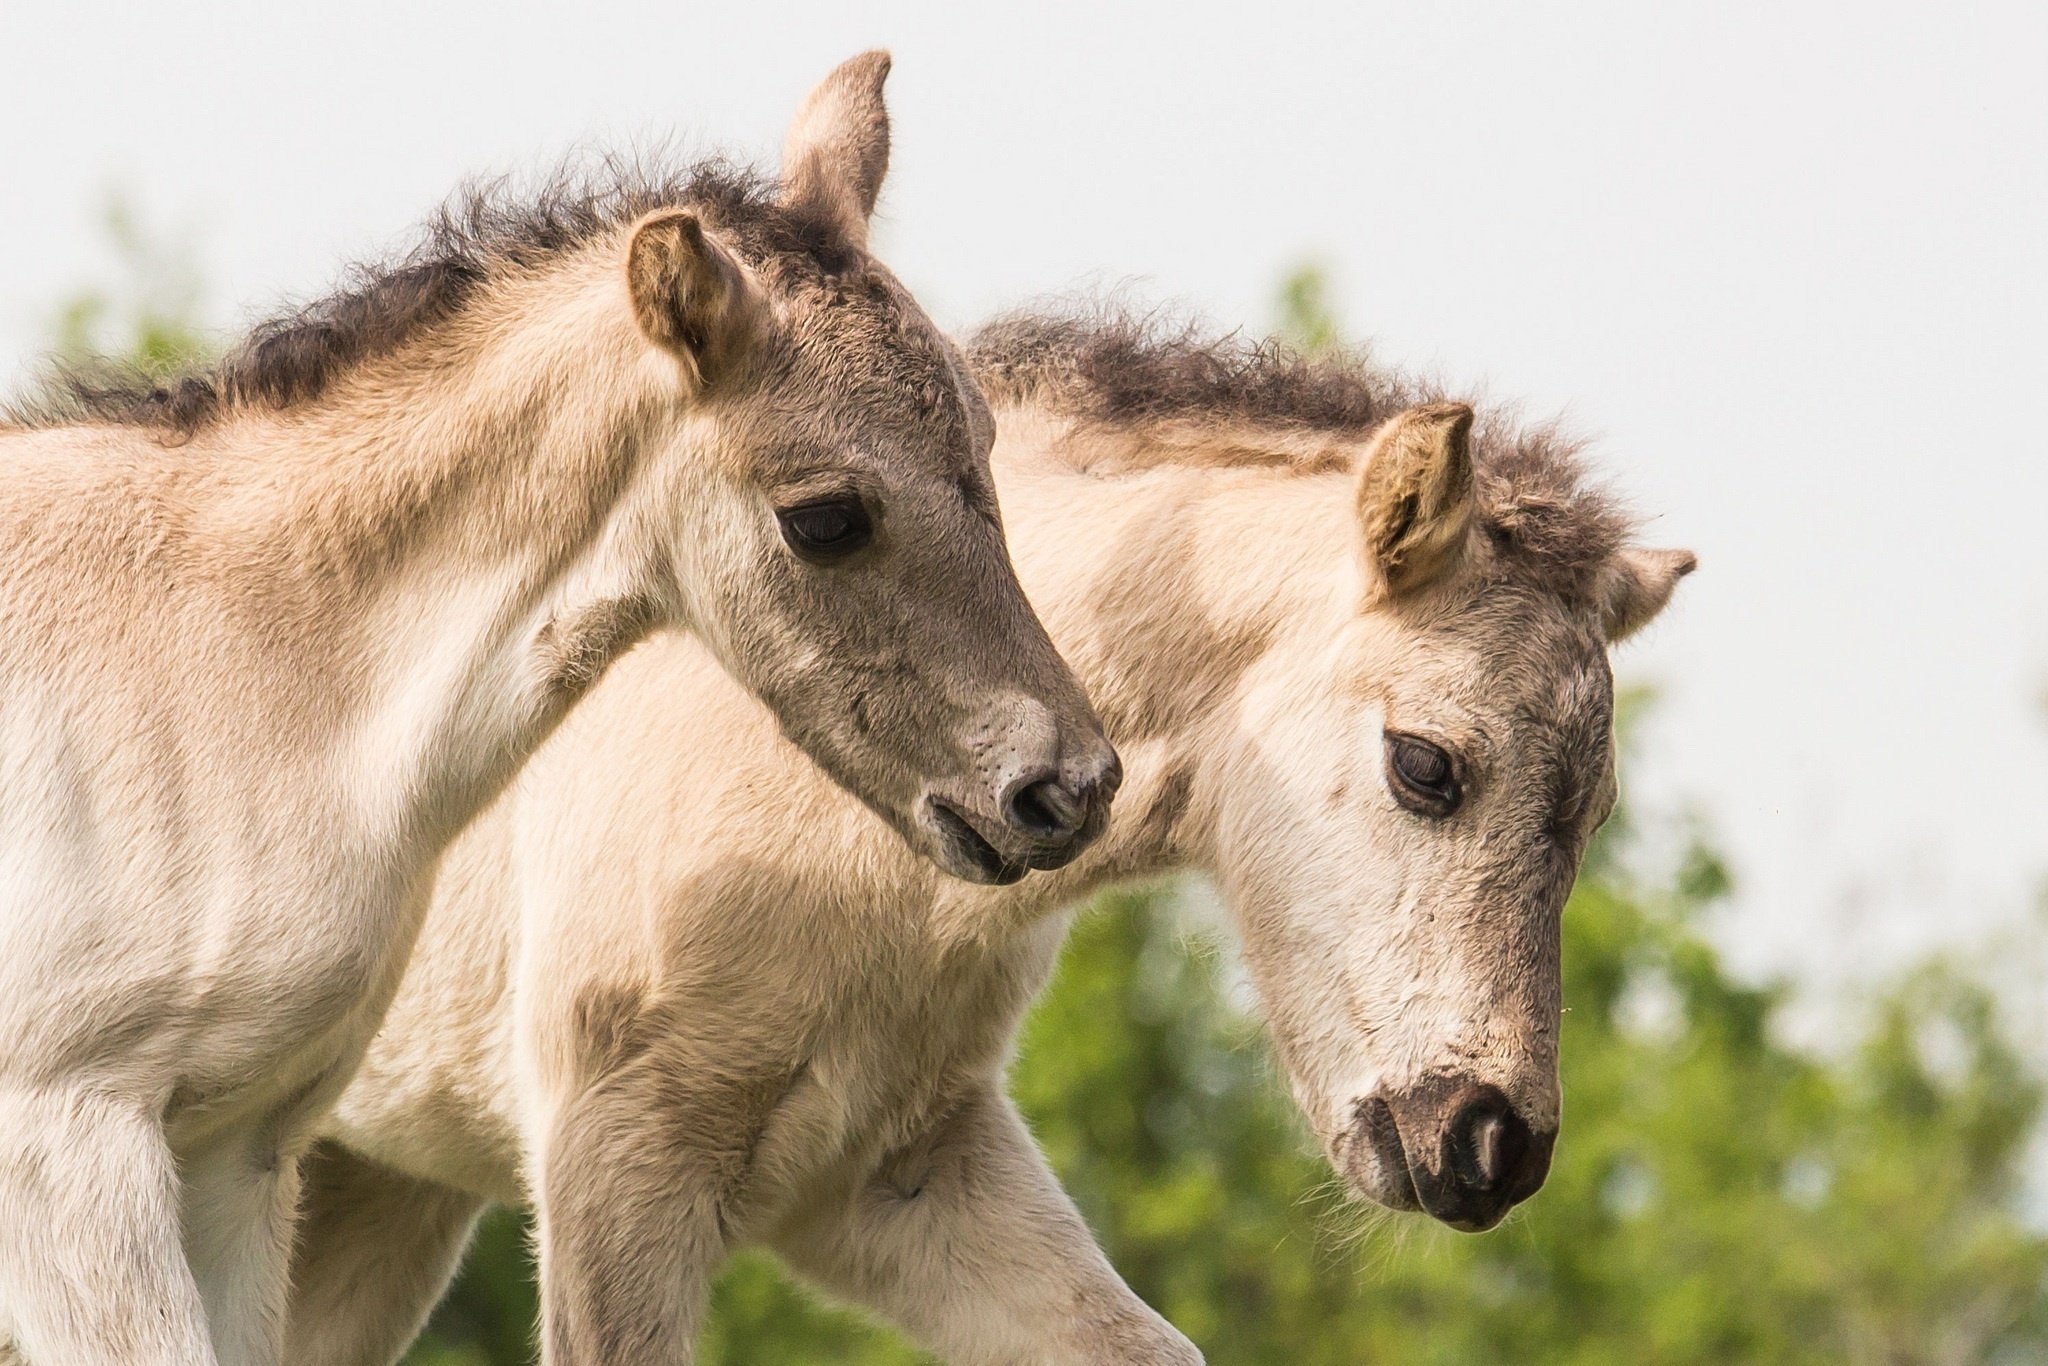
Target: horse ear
<point x="1635" y="584"/>
<point x="1415" y="495"/>
<point x="837" y="150"/>
<point x="689" y="296"/>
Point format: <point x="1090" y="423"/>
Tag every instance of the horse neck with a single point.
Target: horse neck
<point x="460" y="531"/>
<point x="1163" y="587"/>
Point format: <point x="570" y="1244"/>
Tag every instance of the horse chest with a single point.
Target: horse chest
<point x="215" y="976"/>
<point x="897" y="1051"/>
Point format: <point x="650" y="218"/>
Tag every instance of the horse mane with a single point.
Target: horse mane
<point x="485" y="231"/>
<point x="1262" y="403"/>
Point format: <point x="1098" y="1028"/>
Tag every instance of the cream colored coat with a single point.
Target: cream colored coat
<point x="682" y="996"/>
<point x="257" y="669"/>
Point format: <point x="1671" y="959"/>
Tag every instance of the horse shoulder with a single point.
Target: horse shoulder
<point x="437" y="1093"/>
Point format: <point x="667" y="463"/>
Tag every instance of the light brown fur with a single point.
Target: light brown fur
<point x="269" y="638"/>
<point x="677" y="1028"/>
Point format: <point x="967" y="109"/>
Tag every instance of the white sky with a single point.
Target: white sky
<point x="1789" y="264"/>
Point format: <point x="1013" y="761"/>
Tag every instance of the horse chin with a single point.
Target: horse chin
<point x="1394" y="1192"/>
<point x="956" y="846"/>
<point x="1376" y="1170"/>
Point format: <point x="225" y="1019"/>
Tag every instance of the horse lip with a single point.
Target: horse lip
<point x="1048" y="855"/>
<point x="972" y="855"/>
<point x="1396" y="1187"/>
<point x="1458" y="1214"/>
<point x="1046" y="858"/>
<point x="1479" y="1223"/>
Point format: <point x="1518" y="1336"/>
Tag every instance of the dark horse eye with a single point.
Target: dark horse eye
<point x="1424" y="778"/>
<point x="828" y="529"/>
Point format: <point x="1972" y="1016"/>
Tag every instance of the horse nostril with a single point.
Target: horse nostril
<point x="1470" y="1154"/>
<point x="1489" y="1142"/>
<point x="1045" y="810"/>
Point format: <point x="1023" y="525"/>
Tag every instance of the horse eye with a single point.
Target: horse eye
<point x="828" y="529"/>
<point x="1424" y="778"/>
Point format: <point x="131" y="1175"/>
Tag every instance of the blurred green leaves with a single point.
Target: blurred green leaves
<point x="146" y="315"/>
<point x="1307" y="319"/>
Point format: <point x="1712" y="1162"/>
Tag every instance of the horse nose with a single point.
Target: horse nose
<point x="1489" y="1146"/>
<point x="1470" y="1154"/>
<point x="1061" y="811"/>
<point x="1043" y="809"/>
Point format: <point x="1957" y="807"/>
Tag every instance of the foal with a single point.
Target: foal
<point x="1356" y="659"/>
<point x="269" y="639"/>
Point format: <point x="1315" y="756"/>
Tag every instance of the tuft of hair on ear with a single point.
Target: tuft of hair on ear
<point x="837" y="150"/>
<point x="689" y="296"/>
<point x="1415" y="494"/>
<point x="1635" y="584"/>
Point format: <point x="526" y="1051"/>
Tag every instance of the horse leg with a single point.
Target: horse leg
<point x="966" y="1239"/>
<point x="241" y="1203"/>
<point x="376" y="1250"/>
<point x="629" y="1226"/>
<point x="92" y="1265"/>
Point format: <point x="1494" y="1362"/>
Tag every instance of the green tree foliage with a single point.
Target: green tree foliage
<point x="1307" y="319"/>
<point x="147" y="316"/>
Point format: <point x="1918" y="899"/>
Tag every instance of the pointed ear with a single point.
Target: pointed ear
<point x="689" y="296"/>
<point x="1635" y="585"/>
<point x="837" y="150"/>
<point x="1415" y="495"/>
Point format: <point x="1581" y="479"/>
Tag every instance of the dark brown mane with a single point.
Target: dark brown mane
<point x="483" y="231"/>
<point x="1115" y="369"/>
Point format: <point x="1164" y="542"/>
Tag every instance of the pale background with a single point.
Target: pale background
<point x="1785" y="262"/>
